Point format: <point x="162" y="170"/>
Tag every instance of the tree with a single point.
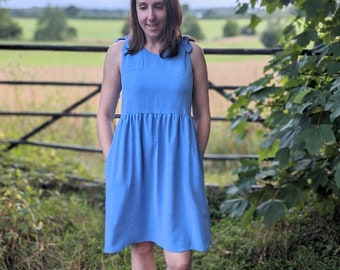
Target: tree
<point x="231" y="29"/>
<point x="8" y="28"/>
<point x="247" y="31"/>
<point x="126" y="27"/>
<point x="191" y="26"/>
<point x="298" y="99"/>
<point x="72" y="11"/>
<point x="52" y="25"/>
<point x="271" y="37"/>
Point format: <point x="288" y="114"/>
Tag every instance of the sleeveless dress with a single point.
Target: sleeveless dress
<point x="154" y="170"/>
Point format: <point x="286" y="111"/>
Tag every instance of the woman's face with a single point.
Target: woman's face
<point x="151" y="17"/>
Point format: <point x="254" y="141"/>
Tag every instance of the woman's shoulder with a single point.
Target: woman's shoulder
<point x="114" y="52"/>
<point x="191" y="45"/>
<point x="117" y="45"/>
<point x="196" y="49"/>
<point x="196" y="53"/>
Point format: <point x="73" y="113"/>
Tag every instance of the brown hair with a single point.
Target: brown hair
<point x="172" y="32"/>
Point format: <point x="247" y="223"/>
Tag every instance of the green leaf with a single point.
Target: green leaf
<point x="298" y="98"/>
<point x="335" y="32"/>
<point x="263" y="93"/>
<point x="234" y="109"/>
<point x="242" y="9"/>
<point x="289" y="30"/>
<point x="306" y="37"/>
<point x="239" y="126"/>
<point x="283" y="157"/>
<point x="291" y="195"/>
<point x="315" y="97"/>
<point x="319" y="178"/>
<point x="272" y="210"/>
<point x="303" y="165"/>
<point x="315" y="137"/>
<point x="253" y="3"/>
<point x="333" y="105"/>
<point x="320" y="49"/>
<point x="312" y="7"/>
<point x="235" y="207"/>
<point x="254" y="21"/>
<point x="268" y="149"/>
<point x="336" y="84"/>
<point x="245" y="184"/>
<point x="286" y="2"/>
<point x="291" y="70"/>
<point x="277" y="118"/>
<point x="332" y="67"/>
<point x="271" y="5"/>
<point x="268" y="175"/>
<point x="334" y="49"/>
<point x="337" y="176"/>
<point x="325" y="206"/>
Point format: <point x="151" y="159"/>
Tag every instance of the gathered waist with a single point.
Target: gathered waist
<point x="155" y="115"/>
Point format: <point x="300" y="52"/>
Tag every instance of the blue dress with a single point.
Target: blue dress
<point x="154" y="170"/>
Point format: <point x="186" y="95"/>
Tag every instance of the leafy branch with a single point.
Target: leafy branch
<point x="299" y="99"/>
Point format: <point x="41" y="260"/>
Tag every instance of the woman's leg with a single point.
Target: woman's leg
<point x="142" y="256"/>
<point x="178" y="261"/>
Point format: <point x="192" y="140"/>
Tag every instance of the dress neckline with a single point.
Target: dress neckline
<point x="150" y="52"/>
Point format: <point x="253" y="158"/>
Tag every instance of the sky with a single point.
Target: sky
<point x="109" y="4"/>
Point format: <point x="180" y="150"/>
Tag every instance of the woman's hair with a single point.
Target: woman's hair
<point x="172" y="32"/>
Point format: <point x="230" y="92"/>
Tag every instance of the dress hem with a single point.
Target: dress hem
<point x="202" y="250"/>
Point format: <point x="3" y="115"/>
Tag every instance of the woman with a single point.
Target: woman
<point x="154" y="170"/>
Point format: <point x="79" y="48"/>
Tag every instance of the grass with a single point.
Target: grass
<point x="49" y="221"/>
<point x="50" y="58"/>
<point x="47" y="58"/>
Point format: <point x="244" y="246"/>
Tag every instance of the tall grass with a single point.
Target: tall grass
<point x="46" y="222"/>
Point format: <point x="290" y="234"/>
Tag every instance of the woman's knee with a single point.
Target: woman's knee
<point x="178" y="261"/>
<point x="142" y="249"/>
<point x="178" y="265"/>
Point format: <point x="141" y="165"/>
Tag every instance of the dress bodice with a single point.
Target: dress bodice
<point x="152" y="84"/>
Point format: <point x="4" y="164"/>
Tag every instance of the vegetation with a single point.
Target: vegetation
<point x="298" y="98"/>
<point x="231" y="29"/>
<point x="9" y="29"/>
<point x="127" y="27"/>
<point x="52" y="26"/>
<point x="191" y="27"/>
<point x="271" y="38"/>
<point x="48" y="220"/>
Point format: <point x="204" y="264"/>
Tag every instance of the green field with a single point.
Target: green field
<point x="103" y="33"/>
<point x="90" y="32"/>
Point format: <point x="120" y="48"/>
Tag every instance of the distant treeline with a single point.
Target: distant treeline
<point x="72" y="12"/>
<point x="80" y="13"/>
